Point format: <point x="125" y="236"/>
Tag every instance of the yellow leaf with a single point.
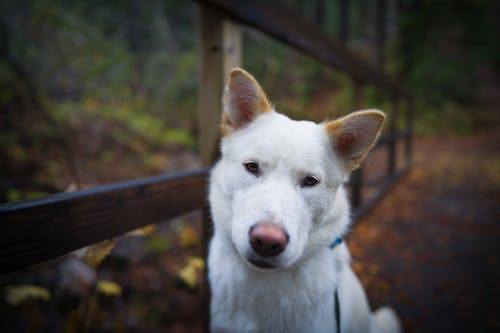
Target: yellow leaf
<point x="15" y="295"/>
<point x="196" y="262"/>
<point x="109" y="288"/>
<point x="189" y="273"/>
<point x="96" y="253"/>
<point x="188" y="236"/>
<point x="144" y="231"/>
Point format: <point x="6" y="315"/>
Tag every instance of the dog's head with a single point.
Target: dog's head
<point x="277" y="190"/>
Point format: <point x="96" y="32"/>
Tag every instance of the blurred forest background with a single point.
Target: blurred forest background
<point x="94" y="92"/>
<point x="86" y="85"/>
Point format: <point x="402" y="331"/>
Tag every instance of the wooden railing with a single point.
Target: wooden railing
<point x="37" y="230"/>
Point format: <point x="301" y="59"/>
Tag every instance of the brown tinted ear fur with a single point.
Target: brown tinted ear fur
<point x="243" y="100"/>
<point x="353" y="135"/>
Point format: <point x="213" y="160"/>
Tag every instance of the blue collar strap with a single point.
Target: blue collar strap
<point x="337" y="310"/>
<point x="336" y="242"/>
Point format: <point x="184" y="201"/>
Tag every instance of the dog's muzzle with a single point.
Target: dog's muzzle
<point x="268" y="240"/>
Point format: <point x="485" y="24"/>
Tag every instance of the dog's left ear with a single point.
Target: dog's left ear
<point x="353" y="135"/>
<point x="243" y="101"/>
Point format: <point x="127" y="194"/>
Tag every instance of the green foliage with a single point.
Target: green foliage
<point x="447" y="55"/>
<point x="448" y="43"/>
<point x="451" y="119"/>
<point x="126" y="70"/>
<point x="106" y="51"/>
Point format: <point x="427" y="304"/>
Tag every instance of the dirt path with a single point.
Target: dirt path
<point x="431" y="247"/>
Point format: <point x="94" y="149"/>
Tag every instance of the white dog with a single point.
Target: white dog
<point x="277" y="262"/>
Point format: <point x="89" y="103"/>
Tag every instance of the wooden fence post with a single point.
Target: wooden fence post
<point x="220" y="50"/>
<point x="410" y="111"/>
<point x="380" y="33"/>
<point x="344" y="21"/>
<point x="393" y="121"/>
<point x="232" y="55"/>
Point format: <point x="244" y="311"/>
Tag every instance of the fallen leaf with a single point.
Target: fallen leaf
<point x="144" y="231"/>
<point x="16" y="295"/>
<point x="196" y="262"/>
<point x="96" y="253"/>
<point x="188" y="236"/>
<point x="109" y="288"/>
<point x="189" y="272"/>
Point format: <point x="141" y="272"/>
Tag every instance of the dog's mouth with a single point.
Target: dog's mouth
<point x="261" y="264"/>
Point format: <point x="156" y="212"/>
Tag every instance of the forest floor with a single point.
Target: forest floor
<point x="430" y="249"/>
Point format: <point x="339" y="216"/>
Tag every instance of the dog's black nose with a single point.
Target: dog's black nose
<point x="268" y="239"/>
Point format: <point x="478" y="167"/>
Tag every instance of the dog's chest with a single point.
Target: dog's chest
<point x="297" y="311"/>
<point x="252" y="301"/>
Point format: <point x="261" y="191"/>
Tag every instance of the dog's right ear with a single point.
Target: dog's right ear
<point x="243" y="101"/>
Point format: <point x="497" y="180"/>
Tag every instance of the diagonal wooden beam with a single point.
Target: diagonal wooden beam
<point x="293" y="29"/>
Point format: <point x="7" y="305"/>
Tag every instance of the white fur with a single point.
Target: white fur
<point x="297" y="295"/>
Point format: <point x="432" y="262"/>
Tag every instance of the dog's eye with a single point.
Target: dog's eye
<point x="310" y="181"/>
<point x="252" y="167"/>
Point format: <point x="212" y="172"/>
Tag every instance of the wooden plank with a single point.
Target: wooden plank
<point x="388" y="138"/>
<point x="380" y="33"/>
<point x="344" y="20"/>
<point x="232" y="55"/>
<point x="393" y="120"/>
<point x="211" y="82"/>
<point x="220" y="50"/>
<point x="367" y="206"/>
<point x="282" y="23"/>
<point x="410" y="111"/>
<point x="38" y="230"/>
